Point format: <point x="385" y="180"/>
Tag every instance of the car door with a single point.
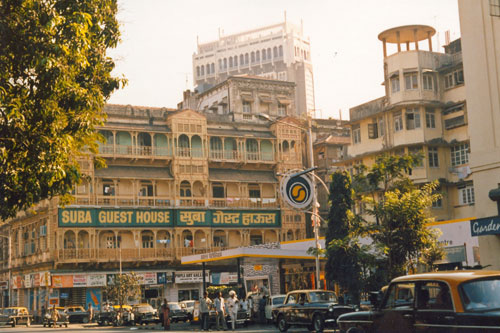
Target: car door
<point x="302" y="309"/>
<point x="434" y="308"/>
<point x="397" y="311"/>
<point x="289" y="307"/>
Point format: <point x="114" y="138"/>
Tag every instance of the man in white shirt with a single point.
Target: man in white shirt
<point x="232" y="304"/>
<point x="220" y="313"/>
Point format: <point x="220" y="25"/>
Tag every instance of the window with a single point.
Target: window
<point x="400" y="295"/>
<point x="356" y="134"/>
<point x="372" y="129"/>
<point x="280" y="51"/>
<point x="207" y="66"/>
<point x="43" y="230"/>
<point x="434" y="295"/>
<point x="231" y="62"/>
<point x="395" y="84"/>
<point x="212" y="68"/>
<point x="254" y="191"/>
<point x="433" y="157"/>
<point x="281" y="109"/>
<point x="448" y="81"/>
<point x="197" y="70"/>
<point x="412" y="118"/>
<point x="458" y="76"/>
<point x="460" y="154"/>
<point x="428" y="81"/>
<point x="416" y="151"/>
<point x="264" y="56"/>
<point x="185" y="189"/>
<point x="438" y="203"/>
<point x="398" y="121"/>
<point x="252" y="57"/>
<point x="247" y="108"/>
<point x="381" y="127"/>
<point x="218" y="190"/>
<point x="275" y="52"/>
<point x="454" y="122"/>
<point x="257" y="56"/>
<point x="246" y="58"/>
<point x="255" y="239"/>
<point x="454" y="78"/>
<point x="147" y="241"/>
<point x="202" y="70"/>
<point x="235" y="61"/>
<point x="495" y="8"/>
<point x="108" y="189"/>
<point x="430" y="118"/>
<point x="411" y="81"/>
<point x="242" y="60"/>
<point x="225" y="63"/>
<point x="466" y="195"/>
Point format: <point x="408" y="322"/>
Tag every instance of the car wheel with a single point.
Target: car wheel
<point x="14" y="323"/>
<point x="85" y="320"/>
<point x="318" y="323"/>
<point x="282" y="324"/>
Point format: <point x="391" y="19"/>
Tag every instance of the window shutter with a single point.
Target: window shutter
<point x="372" y="131"/>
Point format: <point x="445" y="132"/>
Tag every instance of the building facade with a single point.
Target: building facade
<point x="177" y="182"/>
<point x="424" y="111"/>
<point x="279" y="52"/>
<point x="480" y="27"/>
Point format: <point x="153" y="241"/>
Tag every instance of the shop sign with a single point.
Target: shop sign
<point x="62" y="281"/>
<point x="147" y="278"/>
<point x="297" y="191"/>
<point x="45" y="279"/>
<point x="27" y="281"/>
<point x="110" y="279"/>
<point x="224" y="278"/>
<point x="4" y="285"/>
<point x="96" y="280"/>
<point x="54" y="297"/>
<point x="191" y="276"/>
<point x="227" y="218"/>
<point x="17" y="282"/>
<point x="64" y="296"/>
<point x="485" y="226"/>
<point x="79" y="280"/>
<point x="161" y="278"/>
<point x="36" y="279"/>
<point x="94" y="296"/>
<point x="112" y="218"/>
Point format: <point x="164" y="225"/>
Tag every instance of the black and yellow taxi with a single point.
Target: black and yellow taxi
<point x="315" y="309"/>
<point x="454" y="301"/>
<point x="15" y="315"/>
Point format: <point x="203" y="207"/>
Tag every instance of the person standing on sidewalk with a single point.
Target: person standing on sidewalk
<point x="220" y="312"/>
<point x="233" y="305"/>
<point x="204" y="310"/>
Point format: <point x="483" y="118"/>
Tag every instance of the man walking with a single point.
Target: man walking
<point x="220" y="312"/>
<point x="204" y="310"/>
<point x="233" y="305"/>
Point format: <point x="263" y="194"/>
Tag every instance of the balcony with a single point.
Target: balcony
<point x="189" y="152"/>
<point x="225" y="155"/>
<point x="115" y="151"/>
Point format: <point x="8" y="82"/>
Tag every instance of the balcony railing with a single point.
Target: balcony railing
<point x="189" y="152"/>
<point x="135" y="151"/>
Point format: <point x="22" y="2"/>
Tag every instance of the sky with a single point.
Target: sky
<point x="159" y="38"/>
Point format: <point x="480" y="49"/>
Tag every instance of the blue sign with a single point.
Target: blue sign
<point x="64" y="295"/>
<point x="93" y="297"/>
<point x="485" y="226"/>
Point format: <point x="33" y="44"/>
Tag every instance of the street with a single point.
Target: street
<point x="177" y="327"/>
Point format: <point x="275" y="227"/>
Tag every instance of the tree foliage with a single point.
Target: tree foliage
<point x="54" y="80"/>
<point x="400" y="210"/>
<point x="343" y="251"/>
<point x="124" y="286"/>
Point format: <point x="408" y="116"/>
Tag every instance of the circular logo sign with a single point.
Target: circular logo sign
<point x="297" y="191"/>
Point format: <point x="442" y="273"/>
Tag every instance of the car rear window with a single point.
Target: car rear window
<point x="278" y="300"/>
<point x="322" y="297"/>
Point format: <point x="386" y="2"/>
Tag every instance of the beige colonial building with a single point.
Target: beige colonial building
<point x="424" y="110"/>
<point x="197" y="179"/>
<point x="480" y="27"/>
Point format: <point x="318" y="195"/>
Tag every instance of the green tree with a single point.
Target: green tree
<point x="124" y="286"/>
<point x="343" y="251"/>
<point x="54" y="80"/>
<point x="400" y="209"/>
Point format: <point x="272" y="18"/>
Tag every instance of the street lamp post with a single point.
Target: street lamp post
<point x="315" y="204"/>
<point x="9" y="265"/>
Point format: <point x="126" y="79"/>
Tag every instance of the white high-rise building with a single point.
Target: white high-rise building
<point x="277" y="52"/>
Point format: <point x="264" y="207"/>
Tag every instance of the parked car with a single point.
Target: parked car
<point x="242" y="318"/>
<point x="315" y="309"/>
<point x="272" y="302"/>
<point x="126" y="317"/>
<point x="145" y="314"/>
<point x="188" y="306"/>
<point x="177" y="313"/>
<point x="456" y="301"/>
<point x="14" y="316"/>
<point x="62" y="318"/>
<point x="77" y="314"/>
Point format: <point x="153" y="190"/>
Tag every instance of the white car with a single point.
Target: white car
<point x="272" y="302"/>
<point x="188" y="306"/>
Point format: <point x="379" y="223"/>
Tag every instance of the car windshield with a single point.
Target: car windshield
<point x="278" y="300"/>
<point x="8" y="311"/>
<point x="481" y="295"/>
<point x="322" y="296"/>
<point x="146" y="308"/>
<point x="174" y="306"/>
<point x="189" y="304"/>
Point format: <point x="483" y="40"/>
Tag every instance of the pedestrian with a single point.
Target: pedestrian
<point x="244" y="304"/>
<point x="262" y="309"/>
<point x="90" y="311"/>
<point x="204" y="310"/>
<point x="165" y="311"/>
<point x="54" y="316"/>
<point x="220" y="312"/>
<point x="233" y="304"/>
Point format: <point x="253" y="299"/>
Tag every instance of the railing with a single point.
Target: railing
<point x="231" y="155"/>
<point x="135" y="151"/>
<point x="189" y="152"/>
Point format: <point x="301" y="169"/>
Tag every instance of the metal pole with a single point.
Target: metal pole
<point x="10" y="269"/>
<point x="314" y="201"/>
<point x="204" y="280"/>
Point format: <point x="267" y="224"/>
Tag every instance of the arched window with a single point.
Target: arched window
<point x="275" y="52"/>
<point x="235" y="61"/>
<point x="197" y="70"/>
<point x="242" y="60"/>
<point x="202" y="70"/>
<point x="286" y="147"/>
<point x="220" y="64"/>
<point x="281" y="51"/>
<point x="207" y="66"/>
<point x="246" y="58"/>
<point x="252" y="57"/>
<point x="257" y="56"/>
<point x="225" y="63"/>
<point x="230" y="62"/>
<point x="212" y="68"/>
<point x="264" y="57"/>
<point x="183" y="149"/>
<point x="185" y="189"/>
<point x="269" y="53"/>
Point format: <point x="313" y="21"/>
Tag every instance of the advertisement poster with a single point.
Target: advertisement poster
<point x="94" y="296"/>
<point x="45" y="279"/>
<point x="96" y="280"/>
<point x="54" y="297"/>
<point x="79" y="280"/>
<point x="147" y="278"/>
<point x="62" y="281"/>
